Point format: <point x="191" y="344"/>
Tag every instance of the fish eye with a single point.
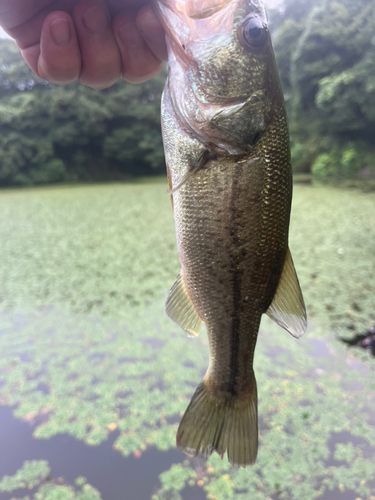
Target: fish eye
<point x="254" y="33"/>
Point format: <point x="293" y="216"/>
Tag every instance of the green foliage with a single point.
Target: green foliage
<point x="221" y="488"/>
<point x="177" y="477"/>
<point x="325" y="165"/>
<point x="167" y="495"/>
<point x="344" y="163"/>
<point x="142" y="142"/>
<point x="67" y="133"/>
<point x="345" y="452"/>
<point x="347" y="100"/>
<point x="31" y="474"/>
<point x="325" y="52"/>
<point x="36" y="474"/>
<point x="62" y="492"/>
<point x="84" y="275"/>
<point x="80" y="481"/>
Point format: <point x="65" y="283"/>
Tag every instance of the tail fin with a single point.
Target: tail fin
<point x="214" y="423"/>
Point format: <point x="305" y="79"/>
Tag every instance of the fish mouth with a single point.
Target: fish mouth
<point x="201" y="9"/>
<point x="196" y="9"/>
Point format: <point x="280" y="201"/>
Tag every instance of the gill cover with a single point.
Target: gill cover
<point x="219" y="55"/>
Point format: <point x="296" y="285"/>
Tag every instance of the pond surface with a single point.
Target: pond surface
<point x="94" y="377"/>
<point x="110" y="473"/>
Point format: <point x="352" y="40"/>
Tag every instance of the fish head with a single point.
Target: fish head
<point x="223" y="78"/>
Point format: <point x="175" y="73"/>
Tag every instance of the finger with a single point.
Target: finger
<point x="139" y="64"/>
<point x="60" y="59"/>
<point x="28" y="33"/>
<point x="152" y="31"/>
<point x="101" y="61"/>
<point x="57" y="57"/>
<point x="18" y="12"/>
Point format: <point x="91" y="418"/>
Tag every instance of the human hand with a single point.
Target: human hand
<point x="94" y="41"/>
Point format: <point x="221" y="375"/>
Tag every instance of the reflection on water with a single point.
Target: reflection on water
<point x="113" y="475"/>
<point x="364" y="341"/>
<point x="78" y="381"/>
<point x="100" y="376"/>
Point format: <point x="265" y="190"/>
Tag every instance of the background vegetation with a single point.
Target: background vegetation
<point x="72" y="133"/>
<point x="325" y="52"/>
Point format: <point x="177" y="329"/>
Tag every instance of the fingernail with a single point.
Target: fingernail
<point x="95" y="18"/>
<point x="60" y="31"/>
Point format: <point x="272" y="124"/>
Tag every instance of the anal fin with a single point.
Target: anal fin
<point x="288" y="308"/>
<point x="180" y="309"/>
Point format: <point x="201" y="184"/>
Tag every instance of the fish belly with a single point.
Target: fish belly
<point x="231" y="256"/>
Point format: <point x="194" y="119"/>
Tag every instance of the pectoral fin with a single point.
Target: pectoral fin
<point x="170" y="185"/>
<point x="288" y="308"/>
<point x="195" y="166"/>
<point x="180" y="309"/>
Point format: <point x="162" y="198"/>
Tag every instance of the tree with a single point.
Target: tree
<point x="70" y="133"/>
<point x="325" y="51"/>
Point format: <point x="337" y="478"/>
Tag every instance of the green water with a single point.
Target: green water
<point x="87" y="351"/>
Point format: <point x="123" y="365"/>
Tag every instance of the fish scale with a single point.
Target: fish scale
<point x="226" y="144"/>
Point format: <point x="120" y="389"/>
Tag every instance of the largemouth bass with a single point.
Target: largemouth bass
<point x="227" y="152"/>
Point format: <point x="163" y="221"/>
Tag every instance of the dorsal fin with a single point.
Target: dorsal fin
<point x="180" y="309"/>
<point x="288" y="308"/>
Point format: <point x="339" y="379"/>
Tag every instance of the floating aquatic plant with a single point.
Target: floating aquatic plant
<point x="35" y="475"/>
<point x="86" y="349"/>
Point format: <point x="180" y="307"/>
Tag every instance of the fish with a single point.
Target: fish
<point x="226" y="145"/>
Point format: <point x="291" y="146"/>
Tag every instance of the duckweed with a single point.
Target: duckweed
<point x="86" y="349"/>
